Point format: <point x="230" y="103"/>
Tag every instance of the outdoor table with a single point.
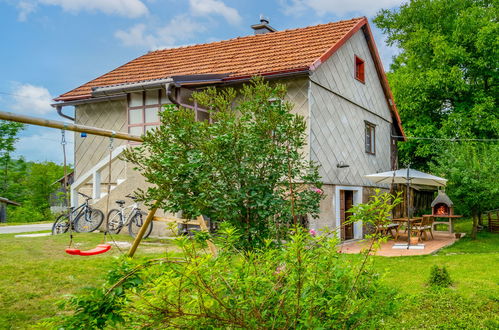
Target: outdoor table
<point x="449" y="218"/>
<point x="404" y="220"/>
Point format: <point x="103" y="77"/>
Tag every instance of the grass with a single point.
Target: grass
<point x="473" y="300"/>
<point x="36" y="273"/>
<point x="5" y="224"/>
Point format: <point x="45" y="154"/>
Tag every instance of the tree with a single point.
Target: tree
<point x="8" y="137"/>
<point x="472" y="173"/>
<point x="32" y="185"/>
<point x="246" y="167"/>
<point x="445" y="78"/>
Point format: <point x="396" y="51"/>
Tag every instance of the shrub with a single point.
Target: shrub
<point x="439" y="277"/>
<point x="303" y="284"/>
<point x="26" y="213"/>
<point x="96" y="308"/>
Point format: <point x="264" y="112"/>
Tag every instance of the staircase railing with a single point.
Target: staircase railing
<point x="95" y="174"/>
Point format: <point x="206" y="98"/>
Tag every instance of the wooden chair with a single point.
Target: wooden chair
<point x="422" y="227"/>
<point x="391" y="228"/>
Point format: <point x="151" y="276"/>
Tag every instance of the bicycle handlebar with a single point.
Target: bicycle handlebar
<point x="131" y="197"/>
<point x="86" y="196"/>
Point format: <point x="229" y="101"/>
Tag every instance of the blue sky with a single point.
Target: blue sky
<point x="52" y="46"/>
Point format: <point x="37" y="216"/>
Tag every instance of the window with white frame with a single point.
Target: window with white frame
<point x="143" y="110"/>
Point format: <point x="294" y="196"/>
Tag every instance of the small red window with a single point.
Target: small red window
<point x="359" y="69"/>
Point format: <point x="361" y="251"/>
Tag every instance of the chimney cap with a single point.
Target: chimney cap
<point x="263" y="26"/>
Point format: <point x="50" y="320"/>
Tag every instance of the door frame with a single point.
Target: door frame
<point x="357" y="199"/>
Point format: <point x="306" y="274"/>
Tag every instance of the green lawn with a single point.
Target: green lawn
<point x="35" y="273"/>
<point x="3" y="224"/>
<point x="473" y="300"/>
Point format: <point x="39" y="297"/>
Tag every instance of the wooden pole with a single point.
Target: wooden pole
<point x="67" y="126"/>
<point x="142" y="231"/>
<point x="204" y="227"/>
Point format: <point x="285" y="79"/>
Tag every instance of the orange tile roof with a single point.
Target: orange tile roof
<point x="282" y="51"/>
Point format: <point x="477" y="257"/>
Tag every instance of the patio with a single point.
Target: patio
<point x="441" y="240"/>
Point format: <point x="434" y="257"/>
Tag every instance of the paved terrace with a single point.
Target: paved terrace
<point x="441" y="240"/>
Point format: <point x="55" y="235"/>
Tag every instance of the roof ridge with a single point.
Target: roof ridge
<point x="253" y="36"/>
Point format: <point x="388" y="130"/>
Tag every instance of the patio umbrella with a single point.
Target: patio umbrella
<point x="409" y="177"/>
<point x="407" y="174"/>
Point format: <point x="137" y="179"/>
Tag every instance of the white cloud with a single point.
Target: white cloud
<point x="30" y="99"/>
<point x="337" y="7"/>
<point x="44" y="144"/>
<point x="126" y="8"/>
<point x="178" y="29"/>
<point x="25" y="8"/>
<point x="217" y="7"/>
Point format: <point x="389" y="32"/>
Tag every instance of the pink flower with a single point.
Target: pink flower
<point x="317" y="190"/>
<point x="312" y="232"/>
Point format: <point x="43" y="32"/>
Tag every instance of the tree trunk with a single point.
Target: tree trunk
<point x="480" y="221"/>
<point x="475" y="226"/>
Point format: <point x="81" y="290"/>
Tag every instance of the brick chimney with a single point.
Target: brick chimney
<point x="263" y="26"/>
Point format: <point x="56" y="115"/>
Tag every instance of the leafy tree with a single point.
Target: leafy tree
<point x="472" y="173"/>
<point x="8" y="137"/>
<point x="445" y="78"/>
<point x="246" y="167"/>
<point x="32" y="185"/>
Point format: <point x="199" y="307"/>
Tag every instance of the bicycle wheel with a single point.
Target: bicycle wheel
<point x="88" y="223"/>
<point x="61" y="224"/>
<point x="136" y="223"/>
<point x="114" y="221"/>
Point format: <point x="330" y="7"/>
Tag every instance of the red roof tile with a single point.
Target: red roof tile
<point x="261" y="54"/>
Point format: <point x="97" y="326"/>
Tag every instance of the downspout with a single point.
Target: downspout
<point x="171" y="92"/>
<point x="59" y="112"/>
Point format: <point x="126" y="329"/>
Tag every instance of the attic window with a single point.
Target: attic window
<point x="359" y="70"/>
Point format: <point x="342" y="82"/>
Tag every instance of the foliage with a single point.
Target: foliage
<point x="303" y="284"/>
<point x="246" y="167"/>
<point x="439" y="277"/>
<point x="445" y="78"/>
<point x="96" y="308"/>
<point x="472" y="173"/>
<point x="32" y="185"/>
<point x="8" y="136"/>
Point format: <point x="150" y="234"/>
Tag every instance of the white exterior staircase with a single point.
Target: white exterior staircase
<point x="95" y="175"/>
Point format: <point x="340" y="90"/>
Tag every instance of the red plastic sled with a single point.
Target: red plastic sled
<point x="101" y="248"/>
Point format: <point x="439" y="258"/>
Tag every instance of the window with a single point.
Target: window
<point x="143" y="110"/>
<point x="359" y="70"/>
<point x="370" y="139"/>
<point x="184" y="96"/>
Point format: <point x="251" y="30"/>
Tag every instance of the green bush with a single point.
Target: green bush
<point x="439" y="277"/>
<point x="25" y="213"/>
<point x="96" y="308"/>
<point x="303" y="284"/>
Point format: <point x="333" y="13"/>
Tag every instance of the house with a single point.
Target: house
<point x="334" y="76"/>
<point x="57" y="201"/>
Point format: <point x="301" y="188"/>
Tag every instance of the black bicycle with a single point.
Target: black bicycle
<point x="130" y="215"/>
<point x="82" y="219"/>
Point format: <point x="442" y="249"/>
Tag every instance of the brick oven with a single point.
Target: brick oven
<point x="442" y="205"/>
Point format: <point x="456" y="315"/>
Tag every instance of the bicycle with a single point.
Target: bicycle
<point x="117" y="218"/>
<point x="82" y="219"/>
